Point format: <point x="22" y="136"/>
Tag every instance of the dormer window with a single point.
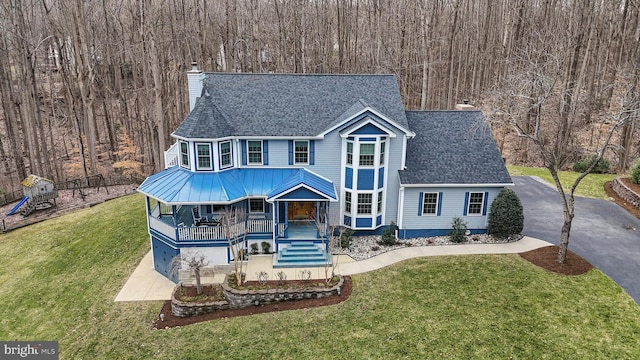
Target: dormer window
<point x="254" y="152"/>
<point x="203" y="152"/>
<point x="184" y="154"/>
<point x="225" y="154"/>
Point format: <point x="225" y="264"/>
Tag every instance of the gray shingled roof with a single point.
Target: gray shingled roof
<point x="243" y="104"/>
<point x="452" y="147"/>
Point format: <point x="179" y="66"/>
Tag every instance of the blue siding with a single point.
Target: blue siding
<point x="162" y="255"/>
<point x="381" y="178"/>
<point x="312" y="152"/>
<point x="347" y="220"/>
<point x="369" y="129"/>
<point x="368" y="139"/>
<point x="290" y="152"/>
<point x="363" y="222"/>
<point x="378" y="220"/>
<point x="348" y="181"/>
<point x="365" y="179"/>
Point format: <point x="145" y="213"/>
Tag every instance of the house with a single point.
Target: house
<point x="301" y="152"/>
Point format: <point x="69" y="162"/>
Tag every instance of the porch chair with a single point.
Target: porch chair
<point x="196" y="216"/>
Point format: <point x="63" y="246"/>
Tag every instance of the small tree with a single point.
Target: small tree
<point x="506" y="216"/>
<point x="634" y="172"/>
<point x="389" y="235"/>
<point x="233" y="222"/>
<point x="458" y="230"/>
<point x="129" y="164"/>
<point x="331" y="234"/>
<point x="192" y="262"/>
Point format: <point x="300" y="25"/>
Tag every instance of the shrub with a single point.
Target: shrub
<point x="345" y="238"/>
<point x="389" y="235"/>
<point x="634" y="172"/>
<point x="266" y="247"/>
<point x="506" y="216"/>
<point x="583" y="164"/>
<point x="254" y="248"/>
<point x="458" y="230"/>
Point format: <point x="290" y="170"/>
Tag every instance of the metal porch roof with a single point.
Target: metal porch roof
<point x="307" y="179"/>
<point x="177" y="185"/>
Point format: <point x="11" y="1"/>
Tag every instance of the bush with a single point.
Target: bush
<point x="266" y="247"/>
<point x="254" y="248"/>
<point x="458" y="230"/>
<point x="506" y="216"/>
<point x="345" y="238"/>
<point x="634" y="172"/>
<point x="389" y="235"/>
<point x="583" y="164"/>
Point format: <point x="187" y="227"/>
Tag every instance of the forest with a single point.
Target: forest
<point x="96" y="86"/>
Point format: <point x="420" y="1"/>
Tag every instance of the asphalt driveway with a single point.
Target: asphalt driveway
<point x="602" y="232"/>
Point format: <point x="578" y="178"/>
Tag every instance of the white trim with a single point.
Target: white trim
<point x="403" y="161"/>
<point x="400" y="218"/>
<point x="350" y="130"/>
<point x="424" y="202"/>
<point x="180" y="162"/>
<point x="455" y="185"/>
<point x="254" y="137"/>
<point x="220" y="154"/>
<point x="481" y="204"/>
<point x="270" y="199"/>
<point x="249" y="163"/>
<point x="308" y="153"/>
<point x="371" y="110"/>
<point x="197" y="156"/>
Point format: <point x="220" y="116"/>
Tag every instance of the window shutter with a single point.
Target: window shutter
<point x="290" y="152"/>
<point x="484" y="205"/>
<point x="420" y="198"/>
<point x="312" y="147"/>
<point x="466" y="203"/>
<point x="265" y="152"/>
<point x="439" y="203"/>
<point x="243" y="145"/>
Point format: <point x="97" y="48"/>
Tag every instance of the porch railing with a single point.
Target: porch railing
<point x="171" y="156"/>
<point x="212" y="232"/>
<point x="281" y="228"/>
<point x="162" y="227"/>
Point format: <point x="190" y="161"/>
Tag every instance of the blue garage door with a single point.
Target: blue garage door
<point x="162" y="255"/>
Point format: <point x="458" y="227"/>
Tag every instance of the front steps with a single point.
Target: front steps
<point x="302" y="254"/>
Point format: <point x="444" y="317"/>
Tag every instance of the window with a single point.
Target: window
<point x="349" y="153"/>
<point x="254" y="152"/>
<point x="204" y="156"/>
<point x="476" y="200"/>
<point x="256" y="205"/>
<point x="382" y="149"/>
<point x="225" y="154"/>
<point x="301" y="152"/>
<point x="347" y="202"/>
<point x="379" y="201"/>
<point x="430" y="204"/>
<point x="184" y="154"/>
<point x="366" y="154"/>
<point x="364" y="203"/>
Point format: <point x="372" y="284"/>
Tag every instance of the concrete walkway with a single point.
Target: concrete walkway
<point x="145" y="284"/>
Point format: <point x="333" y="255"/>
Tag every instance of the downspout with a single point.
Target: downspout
<point x="401" y="211"/>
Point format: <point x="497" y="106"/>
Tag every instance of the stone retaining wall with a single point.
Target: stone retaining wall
<point x="236" y="299"/>
<point x="624" y="192"/>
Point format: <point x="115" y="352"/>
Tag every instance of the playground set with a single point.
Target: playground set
<point x="40" y="193"/>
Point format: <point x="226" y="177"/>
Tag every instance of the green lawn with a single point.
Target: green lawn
<point x="591" y="186"/>
<point x="59" y="279"/>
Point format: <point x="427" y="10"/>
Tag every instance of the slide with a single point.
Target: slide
<point x="15" y="208"/>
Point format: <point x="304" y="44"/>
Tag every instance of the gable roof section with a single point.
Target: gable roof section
<point x="452" y="148"/>
<point x="176" y="185"/>
<point x="304" y="179"/>
<point x="244" y="104"/>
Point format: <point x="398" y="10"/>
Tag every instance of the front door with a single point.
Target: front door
<point x="301" y="210"/>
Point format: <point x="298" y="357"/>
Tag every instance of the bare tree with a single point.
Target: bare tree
<point x="192" y="262"/>
<point x="233" y="222"/>
<point x="532" y="101"/>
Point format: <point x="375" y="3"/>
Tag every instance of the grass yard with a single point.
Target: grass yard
<point x="60" y="277"/>
<point x="591" y="186"/>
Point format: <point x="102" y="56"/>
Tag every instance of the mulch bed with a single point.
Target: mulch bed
<point x="546" y="258"/>
<point x="172" y="321"/>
